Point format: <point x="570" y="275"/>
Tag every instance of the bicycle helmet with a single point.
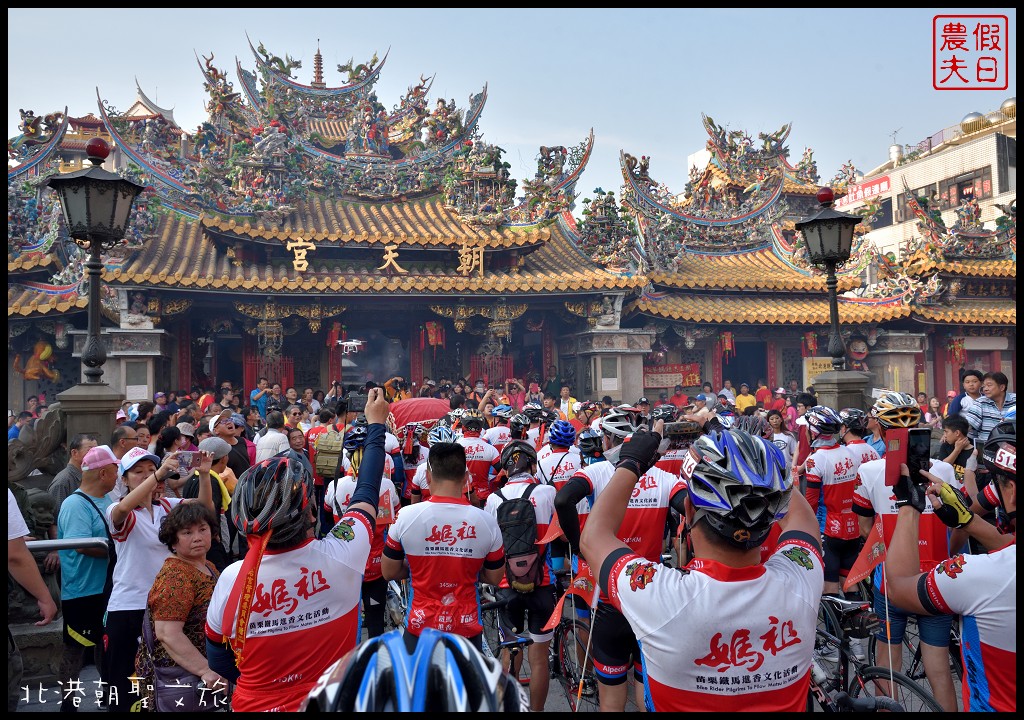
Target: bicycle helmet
<point x="355" y="438"/>
<point x="502" y="411"/>
<point x="547" y="416"/>
<point x="445" y="673"/>
<point x="274" y="495"/>
<point x="822" y="421"/>
<point x="518" y="426"/>
<point x="753" y="425"/>
<point x="473" y="420"/>
<point x="518" y="457"/>
<point x="618" y="423"/>
<point x="586" y="406"/>
<point x="999" y="453"/>
<point x="896" y="410"/>
<point x="442" y="434"/>
<point x="360" y="419"/>
<point x="591" y="444"/>
<point x="533" y="411"/>
<point x="739" y="484"/>
<point x="562" y="433"/>
<point x="665" y="412"/>
<point x="855" y="420"/>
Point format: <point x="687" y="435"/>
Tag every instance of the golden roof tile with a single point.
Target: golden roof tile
<point x="755" y="270"/>
<point x="969" y="268"/>
<point x="31" y="261"/>
<point x="762" y="310"/>
<point x="999" y="313"/>
<point x="23" y="301"/>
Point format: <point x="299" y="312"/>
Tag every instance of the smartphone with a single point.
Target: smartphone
<point x="188" y="461"/>
<point x="919" y="447"/>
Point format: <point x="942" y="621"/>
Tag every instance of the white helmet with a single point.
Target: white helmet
<point x="618" y="423"/>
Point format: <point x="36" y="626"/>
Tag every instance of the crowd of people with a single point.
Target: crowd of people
<point x="252" y="545"/>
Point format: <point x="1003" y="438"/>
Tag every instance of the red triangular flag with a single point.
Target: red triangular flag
<point x="554" y="532"/>
<point x="870" y="556"/>
<point x="583" y="586"/>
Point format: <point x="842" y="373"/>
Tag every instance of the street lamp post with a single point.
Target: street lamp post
<point x="96" y="206"/>
<point x="829" y="237"/>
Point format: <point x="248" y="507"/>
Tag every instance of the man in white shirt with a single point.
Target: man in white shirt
<point x="275" y="440"/>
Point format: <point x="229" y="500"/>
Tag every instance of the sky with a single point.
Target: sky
<point x="846" y="79"/>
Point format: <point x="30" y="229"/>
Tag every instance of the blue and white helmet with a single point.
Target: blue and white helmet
<point x="445" y="673"/>
<point x="441" y="434"/>
<point x="562" y="433"/>
<point x="739" y="483"/>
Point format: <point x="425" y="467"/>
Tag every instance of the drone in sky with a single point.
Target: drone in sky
<point x="350" y="346"/>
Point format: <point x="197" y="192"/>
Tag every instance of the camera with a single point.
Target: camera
<point x="356" y="403"/>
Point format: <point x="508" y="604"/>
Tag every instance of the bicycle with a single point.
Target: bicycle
<point x="396" y="605"/>
<point x="912" y="647"/>
<point x="496" y="640"/>
<point x="836" y="672"/>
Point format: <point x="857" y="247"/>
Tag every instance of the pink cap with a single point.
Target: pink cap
<point x="97" y="457"/>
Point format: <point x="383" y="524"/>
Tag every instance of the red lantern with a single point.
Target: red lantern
<point x="728" y="345"/>
<point x="810" y="345"/>
<point x="957" y="352"/>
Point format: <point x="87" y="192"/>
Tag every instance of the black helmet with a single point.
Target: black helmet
<point x="533" y="411"/>
<point x="274" y="496"/>
<point x="753" y="425"/>
<point x="518" y="426"/>
<point x="518" y="457"/>
<point x="855" y="420"/>
<point x="666" y="412"/>
<point x="591" y="443"/>
<point x="999" y="453"/>
<point x="473" y="420"/>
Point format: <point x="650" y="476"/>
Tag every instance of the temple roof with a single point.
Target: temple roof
<point x="183" y="256"/>
<point x="757" y="270"/>
<point x="26" y="301"/>
<point x="972" y="268"/>
<point x="426" y="222"/>
<point x="1002" y="312"/>
<point x="746" y="309"/>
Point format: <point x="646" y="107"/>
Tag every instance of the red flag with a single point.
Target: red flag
<point x="870" y="556"/>
<point x="554" y="532"/>
<point x="583" y="586"/>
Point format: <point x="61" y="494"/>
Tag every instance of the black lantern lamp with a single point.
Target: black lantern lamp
<point x="96" y="205"/>
<point x="829" y="237"/>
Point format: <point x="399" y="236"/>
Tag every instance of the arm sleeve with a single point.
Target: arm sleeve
<point x="371" y="469"/>
<point x="565" y="507"/>
<point x="221" y="660"/>
<point x="677" y="501"/>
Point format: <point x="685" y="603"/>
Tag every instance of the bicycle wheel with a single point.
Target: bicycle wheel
<point x="827" y="643"/>
<point x="492" y="637"/>
<point x="573" y="665"/>
<point x="875" y="681"/>
<point x="913" y="666"/>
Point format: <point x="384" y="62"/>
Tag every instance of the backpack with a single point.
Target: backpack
<point x="517" y="520"/>
<point x="328" y="447"/>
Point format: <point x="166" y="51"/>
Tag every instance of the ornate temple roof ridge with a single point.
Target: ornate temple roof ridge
<point x="154" y="109"/>
<point x="360" y="76"/>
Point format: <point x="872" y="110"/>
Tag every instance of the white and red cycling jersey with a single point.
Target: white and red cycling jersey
<point x="873" y="497"/>
<point x="419" y="457"/>
<point x="982" y="589"/>
<point x="304" y="615"/>
<point x="419" y="481"/>
<point x="556" y="466"/>
<point x="643" y="527"/>
<point x="833" y="469"/>
<point x="337" y="499"/>
<point x="672" y="461"/>
<point x="498" y="436"/>
<point x="481" y="461"/>
<point x="543" y="500"/>
<point x="447" y="541"/>
<point x="861" y="452"/>
<point x="749" y="631"/>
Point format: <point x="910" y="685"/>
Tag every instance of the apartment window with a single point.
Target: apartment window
<point x="954" y="192"/>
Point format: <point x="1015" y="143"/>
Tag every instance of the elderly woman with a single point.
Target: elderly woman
<point x="134" y="521"/>
<point x="179" y="598"/>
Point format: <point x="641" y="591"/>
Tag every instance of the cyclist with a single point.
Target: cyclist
<point x="725" y="620"/>
<point x="339" y="495"/>
<point x="420" y="483"/>
<point x="519" y="461"/>
<point x="615" y="646"/>
<point x="981" y="588"/>
<point x="518" y="426"/>
<point x="281" y="616"/>
<point x="584" y="414"/>
<point x="831" y="474"/>
<point x="853" y="432"/>
<point x="481" y="457"/>
<point x="456" y="678"/>
<point x="873" y="497"/>
<point x="559" y="458"/>
<point x="445" y="545"/>
<point x="499" y="433"/>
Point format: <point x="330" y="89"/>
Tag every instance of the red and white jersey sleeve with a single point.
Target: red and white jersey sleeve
<point x="481" y="460"/>
<point x="834" y="468"/>
<point x="498" y="436"/>
<point x="304" y="615"/>
<point x="419" y="481"/>
<point x="446" y="542"/>
<point x="982" y="589"/>
<point x="555" y="467"/>
<point x="543" y="500"/>
<point x="643" y="527"/>
<point x="750" y="631"/>
<point x="873" y="497"/>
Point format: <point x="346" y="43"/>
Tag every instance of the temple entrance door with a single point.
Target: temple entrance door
<point x="749" y="364"/>
<point x="227" y="351"/>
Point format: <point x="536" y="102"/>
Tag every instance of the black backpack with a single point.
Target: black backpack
<point x="517" y="520"/>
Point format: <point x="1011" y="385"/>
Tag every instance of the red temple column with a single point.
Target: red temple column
<point x="773" y="370"/>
